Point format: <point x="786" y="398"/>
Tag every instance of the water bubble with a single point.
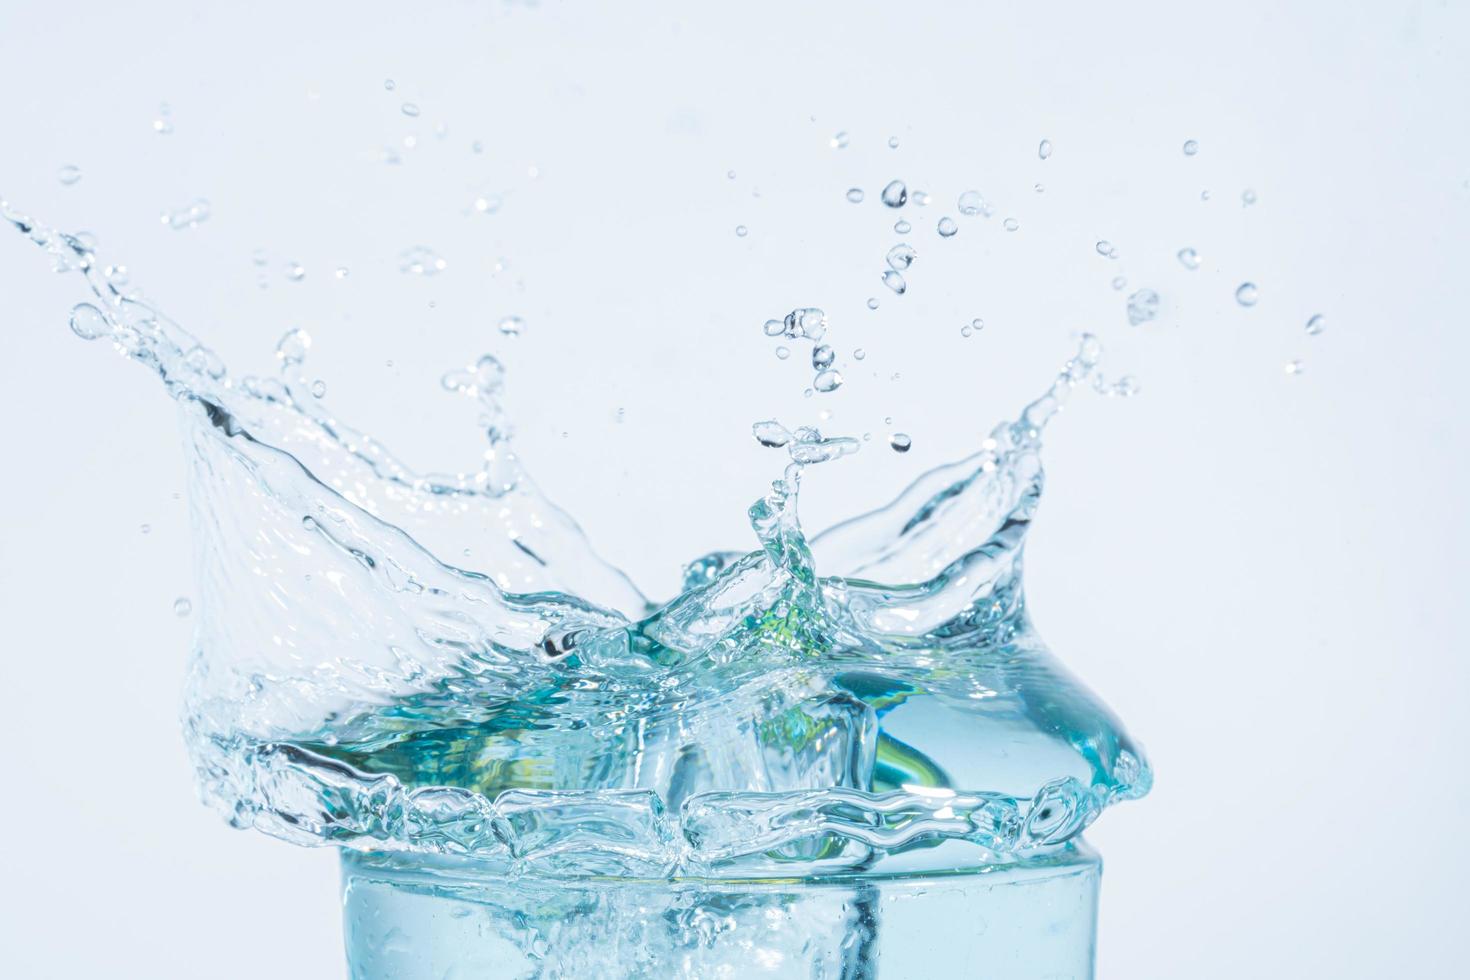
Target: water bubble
<point x="1191" y="147"/>
<point x="69" y="174"/>
<point x="901" y="442"/>
<point x="966" y="330"/>
<point x="292" y="347"/>
<point x="901" y="256"/>
<point x="163" y="126"/>
<point x="390" y="156"/>
<point x="972" y="203"/>
<point x="741" y="231"/>
<point x="145" y="528"/>
<point x="1044" y="149"/>
<point x="1204" y="195"/>
<point x="389" y="84"/>
<point x="839" y="140"/>
<point x="1107" y="250"/>
<point x="1316" y="325"/>
<point x="774" y="328"/>
<point x="319" y="388"/>
<point x="342" y="272"/>
<point x="295" y="271"/>
<point x="1246" y="294"/>
<point x="182" y="607"/>
<point x="729" y="175"/>
<point x="893" y="142"/>
<point x="895" y="194"/>
<point x="859" y="354"/>
<point x="920" y="198"/>
<point x="946" y="227"/>
<point x="770" y="433"/>
<point x="1247" y="198"/>
<point x="1143" y="306"/>
<point x="1012" y="224"/>
<point x="782" y="353"/>
<point x="808" y="322"/>
<point x="511" y="326"/>
<point x="828" y="380"/>
<point x="478" y="146"/>
<point x="872" y="302"/>
<point x="902" y="227"/>
<point x="410" y="109"/>
<point x="855" y="195"/>
<point x="420" y="260"/>
<point x="116" y="274"/>
<point x="1119" y="282"/>
<point x="186" y="217"/>
<point x="88" y="323"/>
<point x="1189" y="258"/>
<point x="1294" y="367"/>
<point x="822" y="356"/>
<point x="895" y="281"/>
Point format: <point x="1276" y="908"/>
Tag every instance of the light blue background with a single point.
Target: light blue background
<point x="1263" y="574"/>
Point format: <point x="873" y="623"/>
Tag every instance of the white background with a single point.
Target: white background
<point x="1263" y="574"/>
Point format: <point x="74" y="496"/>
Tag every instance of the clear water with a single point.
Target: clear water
<point x="438" y="664"/>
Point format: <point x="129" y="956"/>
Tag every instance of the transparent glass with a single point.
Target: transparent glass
<point x="411" y="918"/>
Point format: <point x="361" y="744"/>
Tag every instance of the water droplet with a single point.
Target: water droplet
<point x="822" y="356"/>
<point x="342" y="272"/>
<point x="292" y="347"/>
<point x="88" y="323"/>
<point x="1143" y="306"/>
<point x="1247" y="198"/>
<point x="839" y="140"/>
<point x="1012" y="224"/>
<point x="478" y="146"/>
<point x="1189" y="258"/>
<point x="893" y="142"/>
<point x="163" y="126"/>
<point x="1119" y="282"/>
<point x="1246" y="294"/>
<point x="116" y="274"/>
<point x="295" y="271"/>
<point x="729" y="175"/>
<point x="1107" y="250"/>
<point x="770" y="433"/>
<point x="774" y="328"/>
<point x="1204" y="195"/>
<point x="901" y="256"/>
<point x="410" y="109"/>
<point x="1038" y="188"/>
<point x="186" y="217"/>
<point x="855" y="195"/>
<point x="1191" y="147"/>
<point x="420" y="260"/>
<point x="946" y="227"/>
<point x="808" y="322"/>
<point x="389" y="84"/>
<point x="182" y="607"/>
<point x="782" y="353"/>
<point x="972" y="203"/>
<point x="902" y="227"/>
<point x="872" y="302"/>
<point x="895" y="194"/>
<point x="859" y="354"/>
<point x="69" y="174"/>
<point x="741" y="231"/>
<point x="828" y="380"/>
<point x="488" y="203"/>
<point x="511" y="326"/>
<point x="901" y="442"/>
<point x="319" y="388"/>
<point x="145" y="528"/>
<point x="920" y="198"/>
<point x="1316" y="325"/>
<point x="894" y="281"/>
<point x="966" y="330"/>
<point x="1294" y="367"/>
<point x="1044" y="150"/>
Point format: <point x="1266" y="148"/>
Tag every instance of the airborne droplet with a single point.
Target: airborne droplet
<point x="900" y="257"/>
<point x="946" y="227"/>
<point x="894" y="281"/>
<point x="1189" y="258"/>
<point x="855" y="195"/>
<point x="895" y="194"/>
<point x="1246" y="294"/>
<point x="1316" y="325"/>
<point x="69" y="174"/>
<point x="1191" y="147"/>
<point x="901" y="442"/>
<point x="1044" y="150"/>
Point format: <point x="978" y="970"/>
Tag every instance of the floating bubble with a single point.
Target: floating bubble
<point x="420" y="260"/>
<point x="902" y="227"/>
<point x="1107" y="250"/>
<point x="1143" y="306"/>
<point x="822" y="356"/>
<point x="808" y="322"/>
<point x="1119" y="282"/>
<point x="1247" y="198"/>
<point x="966" y="330"/>
<point x="318" y="388"/>
<point x="511" y="326"/>
<point x="920" y="198"/>
<point x="828" y="380"/>
<point x="1294" y="367"/>
<point x="1191" y="147"/>
<point x="182" y="607"/>
<point x="186" y="217"/>
<point x="972" y="203"/>
<point x="895" y="281"/>
<point x="295" y="271"/>
<point x="859" y="354"/>
<point x="1044" y="149"/>
<point x="741" y="231"/>
<point x="1189" y="258"/>
<point x="410" y="109"/>
<point x="1037" y="188"/>
<point x="901" y="442"/>
<point x="895" y="194"/>
<point x="893" y="142"/>
<point x="342" y="272"/>
<point x="729" y="175"/>
<point x="1012" y="224"/>
<point x="947" y="227"/>
<point x="88" y="323"/>
<point x="901" y="256"/>
<point x="1316" y="324"/>
<point x="855" y="195"/>
<point x="389" y="84"/>
<point x="774" y="328"/>
<point x="69" y="174"/>
<point x="1246" y="294"/>
<point x="839" y="140"/>
<point x="1204" y="195"/>
<point x="782" y="353"/>
<point x="872" y="302"/>
<point x="145" y="528"/>
<point x="771" y="434"/>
